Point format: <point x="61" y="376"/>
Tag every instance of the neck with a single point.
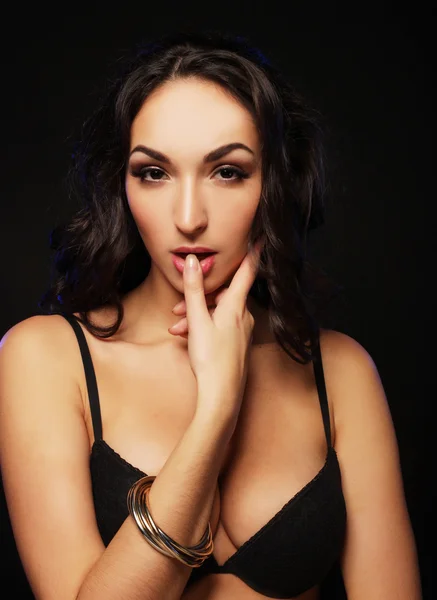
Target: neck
<point x="148" y="314"/>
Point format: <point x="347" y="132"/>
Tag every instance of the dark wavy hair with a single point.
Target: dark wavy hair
<point x="99" y="254"/>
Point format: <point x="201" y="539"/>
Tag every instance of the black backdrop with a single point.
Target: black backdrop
<point x="366" y="68"/>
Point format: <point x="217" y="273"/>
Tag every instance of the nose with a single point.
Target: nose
<point x="190" y="213"/>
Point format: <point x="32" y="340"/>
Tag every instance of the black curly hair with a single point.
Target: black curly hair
<point x="99" y="255"/>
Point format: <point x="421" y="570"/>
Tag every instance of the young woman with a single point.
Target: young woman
<point x="177" y="423"/>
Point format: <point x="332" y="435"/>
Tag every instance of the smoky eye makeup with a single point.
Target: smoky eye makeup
<point x="140" y="171"/>
<point x="227" y="173"/>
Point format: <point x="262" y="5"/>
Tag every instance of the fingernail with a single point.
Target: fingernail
<point x="192" y="262"/>
<point x="176" y="306"/>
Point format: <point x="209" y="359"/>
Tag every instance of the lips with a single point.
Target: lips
<point x="206" y="260"/>
<point x="193" y="250"/>
<point x="200" y="255"/>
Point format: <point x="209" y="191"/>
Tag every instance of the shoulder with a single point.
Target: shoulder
<point x="36" y="325"/>
<point x="38" y="335"/>
<point x="39" y="366"/>
<point x="339" y="348"/>
<point x="346" y="361"/>
<point x="352" y="380"/>
<point x="42" y="351"/>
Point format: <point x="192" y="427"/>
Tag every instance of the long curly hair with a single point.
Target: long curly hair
<point x="99" y="255"/>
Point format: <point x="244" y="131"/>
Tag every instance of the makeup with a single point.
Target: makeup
<point x="206" y="263"/>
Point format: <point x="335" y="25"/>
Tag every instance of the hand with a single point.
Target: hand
<point x="218" y="339"/>
<point x="180" y="309"/>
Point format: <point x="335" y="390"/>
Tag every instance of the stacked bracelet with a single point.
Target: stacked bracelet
<point x="138" y="506"/>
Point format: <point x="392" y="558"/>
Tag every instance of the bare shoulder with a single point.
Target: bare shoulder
<point x="339" y="348"/>
<point x="35" y="330"/>
<point x="353" y="382"/>
<point x="39" y="349"/>
<point x="45" y="340"/>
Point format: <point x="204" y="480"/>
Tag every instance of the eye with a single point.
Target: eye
<point x="227" y="169"/>
<point x="142" y="172"/>
<point x="228" y="174"/>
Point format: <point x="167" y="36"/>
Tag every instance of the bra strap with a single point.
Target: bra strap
<point x="321" y="388"/>
<point x="90" y="376"/>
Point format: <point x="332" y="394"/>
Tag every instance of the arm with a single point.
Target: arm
<point x="44" y="454"/>
<point x="379" y="559"/>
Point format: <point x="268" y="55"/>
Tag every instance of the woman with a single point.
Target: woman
<point x="186" y="429"/>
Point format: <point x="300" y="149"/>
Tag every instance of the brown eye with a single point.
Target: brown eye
<point x="143" y="172"/>
<point x="232" y="174"/>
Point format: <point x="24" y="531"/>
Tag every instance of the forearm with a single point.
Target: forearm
<point x="181" y="499"/>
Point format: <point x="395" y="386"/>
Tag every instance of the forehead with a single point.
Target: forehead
<point x="192" y="113"/>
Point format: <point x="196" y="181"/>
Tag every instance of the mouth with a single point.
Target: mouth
<point x="206" y="260"/>
<point x="200" y="255"/>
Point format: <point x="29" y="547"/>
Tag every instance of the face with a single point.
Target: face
<point x="182" y="189"/>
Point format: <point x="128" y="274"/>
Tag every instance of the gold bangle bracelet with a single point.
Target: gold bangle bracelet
<point x="193" y="556"/>
<point x="138" y="506"/>
<point x="191" y="552"/>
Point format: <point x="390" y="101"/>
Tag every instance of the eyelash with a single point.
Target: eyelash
<point x="142" y="171"/>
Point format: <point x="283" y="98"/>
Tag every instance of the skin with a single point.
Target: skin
<point x="192" y="205"/>
<point x="187" y="202"/>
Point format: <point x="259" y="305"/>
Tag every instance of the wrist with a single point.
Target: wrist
<point x="216" y="415"/>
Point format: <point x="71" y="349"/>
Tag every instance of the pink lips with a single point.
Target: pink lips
<point x="206" y="264"/>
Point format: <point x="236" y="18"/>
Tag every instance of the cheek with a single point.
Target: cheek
<point x="150" y="219"/>
<point x="236" y="219"/>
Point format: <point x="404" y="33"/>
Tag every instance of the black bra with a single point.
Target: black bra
<point x="293" y="552"/>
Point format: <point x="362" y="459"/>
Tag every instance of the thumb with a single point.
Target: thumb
<point x="195" y="302"/>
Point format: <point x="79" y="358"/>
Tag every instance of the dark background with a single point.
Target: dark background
<point x="366" y="68"/>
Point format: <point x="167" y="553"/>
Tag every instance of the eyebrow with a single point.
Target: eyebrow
<point x="210" y="157"/>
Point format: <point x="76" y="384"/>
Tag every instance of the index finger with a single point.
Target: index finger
<point x="196" y="308"/>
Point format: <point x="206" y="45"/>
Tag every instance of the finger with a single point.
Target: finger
<point x="211" y="301"/>
<point x="180" y="308"/>
<point x="221" y="295"/>
<point x="196" y="309"/>
<point x="182" y="325"/>
<point x="183" y="335"/>
<point x="244" y="277"/>
<point x="179" y="330"/>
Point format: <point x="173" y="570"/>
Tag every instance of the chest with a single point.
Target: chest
<point x="148" y="398"/>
